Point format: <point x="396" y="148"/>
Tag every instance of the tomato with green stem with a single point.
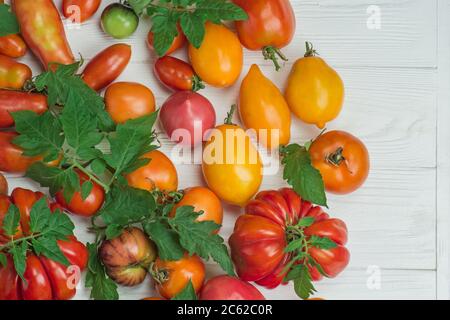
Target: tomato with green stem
<point x="270" y="26"/>
<point x="177" y="74"/>
<point x="119" y="20"/>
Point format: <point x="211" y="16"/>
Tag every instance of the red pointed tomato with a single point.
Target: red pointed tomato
<point x="229" y="288"/>
<point x="261" y="235"/>
<point x="177" y="74"/>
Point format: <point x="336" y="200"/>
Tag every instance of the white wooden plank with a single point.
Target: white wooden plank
<point x="443" y="153"/>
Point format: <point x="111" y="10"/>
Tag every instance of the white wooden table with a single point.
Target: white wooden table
<point x="394" y="56"/>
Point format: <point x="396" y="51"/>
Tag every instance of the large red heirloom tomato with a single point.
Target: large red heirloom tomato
<point x="261" y="235"/>
<point x="45" y="279"/>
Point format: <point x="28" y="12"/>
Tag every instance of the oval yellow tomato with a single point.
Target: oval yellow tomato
<point x="231" y="164"/>
<point x="218" y="61"/>
<point x="314" y="91"/>
<point x="263" y="107"/>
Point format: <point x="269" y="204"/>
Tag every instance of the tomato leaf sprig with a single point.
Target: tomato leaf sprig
<point x="8" y="21"/>
<point x="301" y="175"/>
<point x="188" y="293"/>
<point x="191" y="15"/>
<point x="45" y="229"/>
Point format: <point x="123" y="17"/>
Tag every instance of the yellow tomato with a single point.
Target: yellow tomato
<point x="218" y="61"/>
<point x="314" y="91"/>
<point x="231" y="164"/>
<point x="262" y="106"/>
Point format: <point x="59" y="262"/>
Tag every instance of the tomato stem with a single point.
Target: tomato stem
<point x="197" y="83"/>
<point x="229" y="118"/>
<point x="336" y="158"/>
<point x="272" y="53"/>
<point x="91" y="176"/>
<point x="310" y="51"/>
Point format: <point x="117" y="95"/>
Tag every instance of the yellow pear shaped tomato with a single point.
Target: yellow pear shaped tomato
<point x="231" y="164"/>
<point x="262" y="106"/>
<point x="314" y="91"/>
<point x="218" y="61"/>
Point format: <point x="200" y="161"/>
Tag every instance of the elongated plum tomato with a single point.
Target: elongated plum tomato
<point x="128" y="100"/>
<point x="262" y="107"/>
<point x="106" y="66"/>
<point x="13" y="46"/>
<point x="171" y="277"/>
<point x="87" y="207"/>
<point x="314" y="90"/>
<point x="13" y="74"/>
<point x="177" y="43"/>
<point x="231" y="164"/>
<point x="3" y="184"/>
<point x="229" y="288"/>
<point x="159" y="173"/>
<point x="342" y="159"/>
<point x="13" y="101"/>
<point x="219" y="59"/>
<point x="202" y="199"/>
<point x="128" y="256"/>
<point x="177" y="75"/>
<point x="78" y="11"/>
<point x="119" y="21"/>
<point x="186" y="116"/>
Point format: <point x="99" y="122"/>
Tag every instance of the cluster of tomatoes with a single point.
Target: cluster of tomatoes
<point x="314" y="93"/>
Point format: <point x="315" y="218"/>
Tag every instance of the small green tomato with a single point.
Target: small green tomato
<point x="119" y="21"/>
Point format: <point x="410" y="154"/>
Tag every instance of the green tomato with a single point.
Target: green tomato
<point x="119" y="21"/>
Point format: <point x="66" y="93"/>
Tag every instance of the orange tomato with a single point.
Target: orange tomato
<point x="128" y="100"/>
<point x="218" y="61"/>
<point x="171" y="277"/>
<point x="231" y="165"/>
<point x="314" y="91"/>
<point x="262" y="107"/>
<point x="342" y="159"/>
<point x="13" y="74"/>
<point x="12" y="46"/>
<point x="159" y="173"/>
<point x="202" y="199"/>
<point x="178" y="42"/>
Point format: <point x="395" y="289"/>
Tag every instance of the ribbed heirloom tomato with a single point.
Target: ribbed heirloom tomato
<point x="261" y="235"/>
<point x="342" y="160"/>
<point x="45" y="279"/>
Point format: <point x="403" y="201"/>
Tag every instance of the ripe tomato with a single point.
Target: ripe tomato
<point x="231" y="164"/>
<point x="178" y="42"/>
<point x="262" y="107"/>
<point x="159" y="173"/>
<point x="269" y="224"/>
<point x="229" y="288"/>
<point x="202" y="199"/>
<point x="3" y="185"/>
<point x="12" y="46"/>
<point x="119" y="21"/>
<point x="13" y="101"/>
<point x="177" y="75"/>
<point x="342" y="159"/>
<point x="79" y="11"/>
<point x="314" y="90"/>
<point x="87" y="207"/>
<point x="128" y="100"/>
<point x="106" y="66"/>
<point x="269" y="27"/>
<point x="13" y="74"/>
<point x="219" y="59"/>
<point x="186" y="116"/>
<point x="171" y="277"/>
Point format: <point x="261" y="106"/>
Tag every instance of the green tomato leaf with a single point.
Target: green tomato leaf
<point x="113" y="231"/>
<point x="164" y="29"/>
<point x="303" y="285"/>
<point x="139" y="5"/>
<point x="47" y="246"/>
<point x="193" y="26"/>
<point x="301" y="175"/>
<point x="86" y="189"/>
<point x="322" y="242"/>
<point x="39" y="216"/>
<point x="59" y="225"/>
<point x="166" y="239"/>
<point x="188" y="293"/>
<point x="306" y="222"/>
<point x="8" y="21"/>
<point x="19" y="255"/>
<point x="3" y="260"/>
<point x="219" y="10"/>
<point x="98" y="166"/>
<point x="11" y="221"/>
<point x="294" y="245"/>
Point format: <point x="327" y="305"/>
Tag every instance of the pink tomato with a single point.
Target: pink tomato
<point x="229" y="288"/>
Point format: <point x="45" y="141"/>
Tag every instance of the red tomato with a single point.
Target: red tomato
<point x="12" y="101"/>
<point x="270" y="26"/>
<point x="260" y="237"/>
<point x="87" y="207"/>
<point x="177" y="74"/>
<point x="229" y="288"/>
<point x="177" y="43"/>
<point x="128" y="100"/>
<point x="342" y="160"/>
<point x="12" y="46"/>
<point x="11" y="158"/>
<point x="79" y="11"/>
<point x="171" y="277"/>
<point x="106" y="66"/>
<point x="186" y="116"/>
